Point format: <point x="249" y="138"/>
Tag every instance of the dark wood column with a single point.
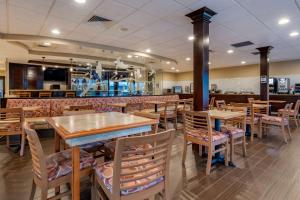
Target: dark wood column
<point x="264" y="72"/>
<point x="200" y="20"/>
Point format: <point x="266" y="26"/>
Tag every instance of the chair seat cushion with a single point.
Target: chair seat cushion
<point x="202" y="134"/>
<point x="274" y="119"/>
<point x="92" y="147"/>
<point x="255" y="120"/>
<point x="60" y="164"/>
<point x="232" y="130"/>
<point x="292" y="112"/>
<point x="105" y="172"/>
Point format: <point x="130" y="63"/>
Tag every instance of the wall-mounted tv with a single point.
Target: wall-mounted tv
<point x="55" y="74"/>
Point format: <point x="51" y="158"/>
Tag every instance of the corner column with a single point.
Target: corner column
<point x="264" y="72"/>
<point x="200" y="20"/>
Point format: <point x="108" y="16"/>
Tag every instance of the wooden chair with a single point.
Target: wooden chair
<point x="198" y="130"/>
<point x="24" y="94"/>
<point x="109" y="147"/>
<point x="253" y="117"/>
<point x="188" y="105"/>
<point x="220" y="104"/>
<point x="281" y="122"/>
<point x="45" y="94"/>
<point x="250" y="100"/>
<point x="136" y="174"/>
<point x="70" y="94"/>
<point x="212" y="102"/>
<point x="236" y="129"/>
<point x="81" y="107"/>
<point x="294" y="113"/>
<point x="11" y="120"/>
<point x="169" y="112"/>
<point x="54" y="170"/>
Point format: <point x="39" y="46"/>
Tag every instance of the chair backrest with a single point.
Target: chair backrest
<point x="11" y="119"/>
<point x="45" y="94"/>
<point x="240" y="120"/>
<point x="82" y="107"/>
<point x="150" y="116"/>
<point x="37" y="153"/>
<point x="24" y="94"/>
<point x="287" y="109"/>
<point x="297" y="107"/>
<point x="250" y="100"/>
<point x="220" y="104"/>
<point x="170" y="108"/>
<point x="212" y="102"/>
<point x="195" y="120"/>
<point x="188" y="104"/>
<point x="70" y="94"/>
<point x="140" y="167"/>
<point x="261" y="107"/>
<point x="77" y="112"/>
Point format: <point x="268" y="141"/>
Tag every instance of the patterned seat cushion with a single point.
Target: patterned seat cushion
<point x="292" y="112"/>
<point x="232" y="130"/>
<point x="255" y="120"/>
<point x="203" y="135"/>
<point x="275" y="119"/>
<point x="92" y="147"/>
<point x="60" y="164"/>
<point x="105" y="172"/>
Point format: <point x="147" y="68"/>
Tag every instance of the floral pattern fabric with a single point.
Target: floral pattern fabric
<point x="203" y="135"/>
<point x="92" y="147"/>
<point x="275" y="119"/>
<point x="232" y="130"/>
<point x="60" y="164"/>
<point x="105" y="172"/>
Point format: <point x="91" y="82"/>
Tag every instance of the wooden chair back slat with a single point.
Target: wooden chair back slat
<point x="212" y="102"/>
<point x="220" y="104"/>
<point x="135" y="167"/>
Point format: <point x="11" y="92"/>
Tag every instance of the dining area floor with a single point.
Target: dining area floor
<point x="269" y="171"/>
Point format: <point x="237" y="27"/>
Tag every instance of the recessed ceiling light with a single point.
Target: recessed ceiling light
<point x="177" y="70"/>
<point x="56" y="66"/>
<point x="148" y="50"/>
<point x="129" y="56"/>
<point x="283" y="21"/>
<point x="71" y="69"/>
<point x="43" y="68"/>
<point x="191" y="37"/>
<point x="168" y="62"/>
<point x="188" y="59"/>
<point x="294" y="34"/>
<point x="47" y="44"/>
<point x="80" y="1"/>
<point x="230" y="51"/>
<point x="89" y="64"/>
<point x="55" y="31"/>
<point x="243" y="62"/>
<point x="173" y="68"/>
<point x="136" y="56"/>
<point x="209" y="63"/>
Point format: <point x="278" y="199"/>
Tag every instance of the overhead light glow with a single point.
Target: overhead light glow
<point x="177" y="70"/>
<point x="47" y="44"/>
<point x="283" y="21"/>
<point x="80" y="1"/>
<point x="188" y="59"/>
<point x="136" y="56"/>
<point x="148" y="50"/>
<point x="191" y="37"/>
<point x="71" y="69"/>
<point x="55" y="31"/>
<point x="43" y="68"/>
<point x="294" y="34"/>
<point x="129" y="56"/>
<point x="168" y="62"/>
<point x="209" y="63"/>
<point x="89" y="64"/>
<point x="243" y="62"/>
<point x="230" y="51"/>
<point x="173" y="68"/>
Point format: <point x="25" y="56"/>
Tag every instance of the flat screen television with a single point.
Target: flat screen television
<point x="55" y="74"/>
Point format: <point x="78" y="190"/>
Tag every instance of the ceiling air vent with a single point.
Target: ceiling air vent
<point x="96" y="18"/>
<point x="242" y="44"/>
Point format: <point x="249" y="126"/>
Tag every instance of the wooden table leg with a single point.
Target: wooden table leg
<point x="56" y="142"/>
<point x="75" y="173"/>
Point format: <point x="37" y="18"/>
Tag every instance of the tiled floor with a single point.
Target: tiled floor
<point x="271" y="171"/>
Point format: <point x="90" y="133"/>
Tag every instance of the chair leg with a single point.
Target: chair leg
<point x="260" y="130"/>
<point x="44" y="193"/>
<point x="184" y="151"/>
<point x="209" y="159"/>
<point x="296" y="122"/>
<point x="22" y="144"/>
<point x="166" y="124"/>
<point x="231" y="148"/>
<point x="33" y="189"/>
<point x="7" y="141"/>
<point x="289" y="131"/>
<point x="283" y="134"/>
<point x="226" y="153"/>
<point x="175" y="123"/>
<point x="244" y="146"/>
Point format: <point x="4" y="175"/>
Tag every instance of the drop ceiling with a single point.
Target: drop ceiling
<point x="161" y="25"/>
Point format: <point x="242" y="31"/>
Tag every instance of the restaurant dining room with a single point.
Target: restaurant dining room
<point x="149" y="99"/>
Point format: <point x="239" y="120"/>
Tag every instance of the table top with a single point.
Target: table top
<point x="155" y="102"/>
<point x="224" y="115"/>
<point x="120" y="105"/>
<point x="90" y="124"/>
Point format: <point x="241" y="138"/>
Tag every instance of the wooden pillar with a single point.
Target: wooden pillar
<point x="200" y="20"/>
<point x="264" y="72"/>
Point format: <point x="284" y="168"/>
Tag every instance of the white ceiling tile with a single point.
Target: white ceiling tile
<point x="215" y="5"/>
<point x="113" y="10"/>
<point x="36" y="5"/>
<point x="178" y="17"/>
<point x="161" y="8"/>
<point x="3" y="15"/>
<point x="63" y="25"/>
<point x="160" y="26"/>
<point x="117" y="32"/>
<point x="79" y="36"/>
<point x="134" y="3"/>
<point x="140" y="19"/>
<point x="25" y="15"/>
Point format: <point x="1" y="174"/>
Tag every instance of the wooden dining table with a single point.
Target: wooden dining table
<point x="156" y="104"/>
<point x="78" y="130"/>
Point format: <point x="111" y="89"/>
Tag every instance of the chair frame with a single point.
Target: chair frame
<point x="39" y="167"/>
<point x="164" y="117"/>
<point x="295" y="115"/>
<point x="201" y="120"/>
<point x="162" y="144"/>
<point x="220" y="104"/>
